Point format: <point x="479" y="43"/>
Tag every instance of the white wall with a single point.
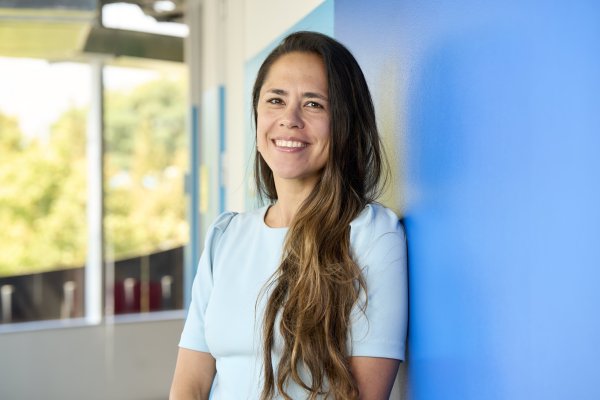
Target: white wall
<point x="129" y="361"/>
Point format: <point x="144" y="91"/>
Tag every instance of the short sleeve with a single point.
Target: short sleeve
<point x="193" y="336"/>
<point x="380" y="329"/>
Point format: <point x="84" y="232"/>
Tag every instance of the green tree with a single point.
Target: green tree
<point x="10" y="136"/>
<point x="145" y="160"/>
<point x="42" y="200"/>
<point x="43" y="182"/>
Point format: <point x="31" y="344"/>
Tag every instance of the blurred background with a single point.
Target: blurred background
<point x="125" y="129"/>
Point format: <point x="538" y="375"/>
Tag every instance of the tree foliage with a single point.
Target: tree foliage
<point x="145" y="163"/>
<point x="43" y="182"/>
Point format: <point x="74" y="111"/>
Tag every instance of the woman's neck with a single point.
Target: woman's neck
<point x="290" y="196"/>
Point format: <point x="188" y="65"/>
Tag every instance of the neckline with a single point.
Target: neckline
<point x="264" y="222"/>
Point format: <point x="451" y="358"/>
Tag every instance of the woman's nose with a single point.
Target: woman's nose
<point x="291" y="118"/>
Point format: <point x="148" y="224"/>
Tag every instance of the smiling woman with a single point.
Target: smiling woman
<point x="279" y="305"/>
<point x="292" y="132"/>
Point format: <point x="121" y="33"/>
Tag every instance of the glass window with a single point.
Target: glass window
<point x="145" y="165"/>
<point x="42" y="188"/>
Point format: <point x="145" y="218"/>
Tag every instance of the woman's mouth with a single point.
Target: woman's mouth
<point x="289" y="144"/>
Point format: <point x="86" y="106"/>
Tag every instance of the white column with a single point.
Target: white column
<point x="237" y="115"/>
<point x="94" y="282"/>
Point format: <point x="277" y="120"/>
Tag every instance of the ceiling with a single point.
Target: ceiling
<point x="160" y="10"/>
<point x="61" y="30"/>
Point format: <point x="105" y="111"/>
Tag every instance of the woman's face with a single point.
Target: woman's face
<point x="292" y="129"/>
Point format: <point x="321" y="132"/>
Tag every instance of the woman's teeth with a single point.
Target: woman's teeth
<point x="289" y="143"/>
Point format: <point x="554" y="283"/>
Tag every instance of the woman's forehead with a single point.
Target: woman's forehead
<point x="297" y="69"/>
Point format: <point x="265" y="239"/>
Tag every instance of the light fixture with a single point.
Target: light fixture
<point x="161" y="6"/>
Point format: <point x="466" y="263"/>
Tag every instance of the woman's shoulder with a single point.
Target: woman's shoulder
<point x="230" y="226"/>
<point x="378" y="240"/>
<point x="223" y="220"/>
<point x="376" y="219"/>
<point x="372" y="224"/>
<point x="234" y="220"/>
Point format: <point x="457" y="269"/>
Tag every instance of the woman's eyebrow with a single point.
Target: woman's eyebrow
<point x="312" y="95"/>
<point x="306" y="95"/>
<point x="279" y="92"/>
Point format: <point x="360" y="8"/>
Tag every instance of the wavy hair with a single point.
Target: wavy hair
<point x="318" y="282"/>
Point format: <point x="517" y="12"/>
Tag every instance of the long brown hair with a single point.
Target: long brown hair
<point x="318" y="282"/>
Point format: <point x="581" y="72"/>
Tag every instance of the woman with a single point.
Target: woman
<point x="306" y="297"/>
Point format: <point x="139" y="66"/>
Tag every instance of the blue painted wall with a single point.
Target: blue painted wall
<point x="494" y="109"/>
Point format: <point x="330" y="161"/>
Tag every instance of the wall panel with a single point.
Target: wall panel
<point x="491" y="108"/>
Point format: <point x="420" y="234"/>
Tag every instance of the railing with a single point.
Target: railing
<point x="150" y="282"/>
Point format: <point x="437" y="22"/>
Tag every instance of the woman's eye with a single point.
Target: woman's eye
<point x="313" y="104"/>
<point x="274" y="101"/>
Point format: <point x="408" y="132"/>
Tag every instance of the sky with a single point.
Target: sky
<point x="37" y="92"/>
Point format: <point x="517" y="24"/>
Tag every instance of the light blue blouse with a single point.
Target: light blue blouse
<point x="241" y="254"/>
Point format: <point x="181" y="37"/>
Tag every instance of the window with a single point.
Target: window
<point x="145" y="164"/>
<point x="46" y="169"/>
<point x="43" y="205"/>
<point x="42" y="188"/>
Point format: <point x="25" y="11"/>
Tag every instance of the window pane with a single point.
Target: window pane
<point x="145" y="164"/>
<point x="43" y="110"/>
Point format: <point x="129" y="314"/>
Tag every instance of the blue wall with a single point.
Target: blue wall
<point x="497" y="119"/>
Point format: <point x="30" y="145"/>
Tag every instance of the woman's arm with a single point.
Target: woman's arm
<point x="374" y="376"/>
<point x="194" y="374"/>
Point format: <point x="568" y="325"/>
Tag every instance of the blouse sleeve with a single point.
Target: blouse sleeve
<point x="379" y="330"/>
<point x="193" y="336"/>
